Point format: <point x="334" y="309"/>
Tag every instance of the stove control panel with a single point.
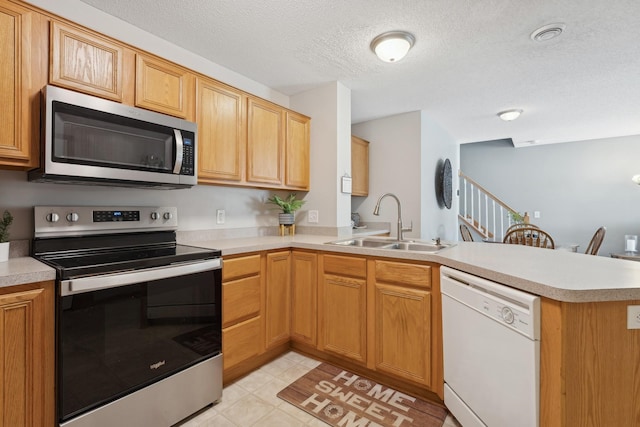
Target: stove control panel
<point x="75" y="220"/>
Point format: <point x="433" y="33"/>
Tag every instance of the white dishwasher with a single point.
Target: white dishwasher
<point x="491" y="339"/>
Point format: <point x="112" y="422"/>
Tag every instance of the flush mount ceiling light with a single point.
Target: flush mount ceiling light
<point x="547" y="32"/>
<point x="509" y="115"/>
<point x="392" y="46"/>
<point x="636" y="179"/>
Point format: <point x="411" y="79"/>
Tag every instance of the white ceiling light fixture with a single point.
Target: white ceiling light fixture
<point x="636" y="179"/>
<point x="392" y="46"/>
<point x="509" y="115"/>
<point x="547" y="32"/>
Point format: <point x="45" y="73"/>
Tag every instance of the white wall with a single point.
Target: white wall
<point x="394" y="167"/>
<point x="576" y="186"/>
<point x="330" y="110"/>
<point x="196" y="206"/>
<point x="437" y="145"/>
<point x="404" y="154"/>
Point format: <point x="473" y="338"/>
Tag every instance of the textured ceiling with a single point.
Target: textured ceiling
<point x="471" y="58"/>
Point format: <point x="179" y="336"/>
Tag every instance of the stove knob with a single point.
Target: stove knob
<point x="52" y="217"/>
<point x="167" y="215"/>
<point x="72" y="217"/>
<point x="155" y="215"/>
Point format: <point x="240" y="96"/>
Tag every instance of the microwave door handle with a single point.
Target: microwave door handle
<point x="179" y="151"/>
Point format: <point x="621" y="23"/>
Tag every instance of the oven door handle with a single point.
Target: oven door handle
<point x="105" y="281"/>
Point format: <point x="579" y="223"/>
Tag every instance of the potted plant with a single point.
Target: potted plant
<point x="5" y="222"/>
<point x="288" y="206"/>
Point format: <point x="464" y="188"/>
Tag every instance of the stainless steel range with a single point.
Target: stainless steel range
<point x="138" y="317"/>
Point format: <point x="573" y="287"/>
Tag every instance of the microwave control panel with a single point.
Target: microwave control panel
<point x="188" y="157"/>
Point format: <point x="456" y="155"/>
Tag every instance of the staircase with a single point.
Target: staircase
<point x="482" y="211"/>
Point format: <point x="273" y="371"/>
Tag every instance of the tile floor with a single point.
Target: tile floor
<point x="252" y="401"/>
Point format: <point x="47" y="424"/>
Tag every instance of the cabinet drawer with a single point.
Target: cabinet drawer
<point x="241" y="342"/>
<point x="345" y="266"/>
<point x="403" y="274"/>
<point x="240" y="300"/>
<point x="240" y="267"/>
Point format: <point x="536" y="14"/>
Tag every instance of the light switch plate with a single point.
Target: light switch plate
<point x="633" y="317"/>
<point x="346" y="185"/>
<point x="220" y="216"/>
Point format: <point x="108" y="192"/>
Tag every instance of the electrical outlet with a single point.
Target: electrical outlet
<point x="633" y="317"/>
<point x="220" y="216"/>
<point x="536" y="214"/>
<point x="313" y="216"/>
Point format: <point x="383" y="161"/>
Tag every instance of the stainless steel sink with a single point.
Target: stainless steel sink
<point x="405" y="245"/>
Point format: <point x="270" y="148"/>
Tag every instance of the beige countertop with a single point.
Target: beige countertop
<point x="560" y="275"/>
<point x="21" y="270"/>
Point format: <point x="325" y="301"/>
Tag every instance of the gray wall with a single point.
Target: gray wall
<point x="576" y="186"/>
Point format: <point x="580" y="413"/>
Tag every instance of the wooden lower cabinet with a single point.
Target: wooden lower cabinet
<point x="343" y="307"/>
<point x="278" y="298"/>
<point x="589" y="365"/>
<point x="27" y="349"/>
<point x="241" y="342"/>
<point x="304" y="297"/>
<point x="402" y="320"/>
<point x="242" y="288"/>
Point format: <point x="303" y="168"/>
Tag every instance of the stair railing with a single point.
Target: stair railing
<point x="482" y="211"/>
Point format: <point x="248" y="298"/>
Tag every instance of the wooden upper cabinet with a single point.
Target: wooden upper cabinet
<point x="87" y="62"/>
<point x="164" y="87"/>
<point x="359" y="166"/>
<point x="298" y="154"/>
<point x="23" y="66"/>
<point x="265" y="141"/>
<point x="220" y="113"/>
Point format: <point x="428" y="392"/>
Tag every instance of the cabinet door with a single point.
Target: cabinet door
<point x="304" y="279"/>
<point x="86" y="62"/>
<point x="297" y="151"/>
<point x="359" y="166"/>
<point x="23" y="64"/>
<point x="221" y="137"/>
<point x="403" y="332"/>
<point x="27" y="357"/>
<point x="164" y="87"/>
<point x="278" y="298"/>
<point x="343" y="306"/>
<point x="264" y="142"/>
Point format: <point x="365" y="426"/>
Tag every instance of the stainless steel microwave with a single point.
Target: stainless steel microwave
<point x="89" y="140"/>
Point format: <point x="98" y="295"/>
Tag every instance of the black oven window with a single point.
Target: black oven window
<point x="115" y="341"/>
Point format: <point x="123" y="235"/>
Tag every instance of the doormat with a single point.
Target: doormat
<point x="341" y="398"/>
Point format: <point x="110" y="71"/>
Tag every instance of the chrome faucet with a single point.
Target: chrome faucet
<point x="376" y="211"/>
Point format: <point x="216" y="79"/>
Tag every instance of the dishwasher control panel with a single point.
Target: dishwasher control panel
<point x="516" y="309"/>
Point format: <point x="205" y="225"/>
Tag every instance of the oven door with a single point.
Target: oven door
<point x="118" y="333"/>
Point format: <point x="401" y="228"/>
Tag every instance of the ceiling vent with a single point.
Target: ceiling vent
<point x="547" y="32"/>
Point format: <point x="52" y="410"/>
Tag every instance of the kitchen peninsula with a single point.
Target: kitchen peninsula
<point x="588" y="356"/>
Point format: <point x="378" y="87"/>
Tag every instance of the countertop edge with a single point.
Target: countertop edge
<point x="451" y="258"/>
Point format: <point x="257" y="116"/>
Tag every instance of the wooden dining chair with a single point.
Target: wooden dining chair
<point x="596" y="241"/>
<point x="519" y="225"/>
<point x="529" y="236"/>
<point x="466" y="233"/>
